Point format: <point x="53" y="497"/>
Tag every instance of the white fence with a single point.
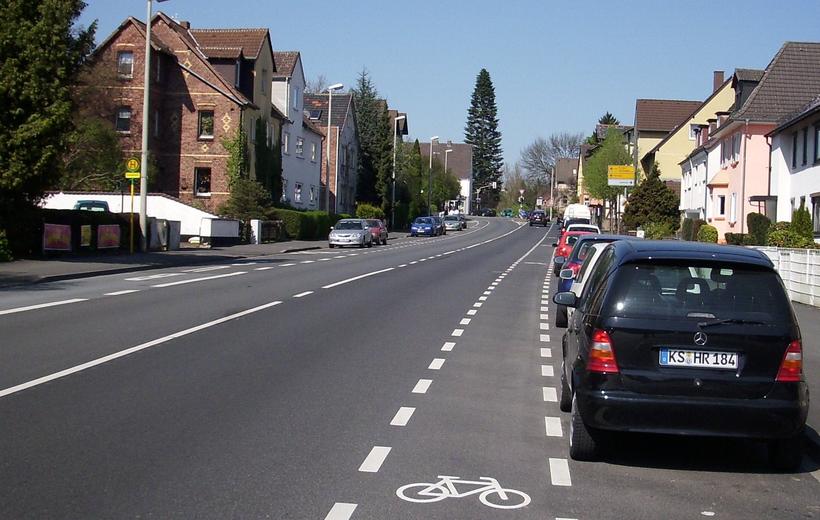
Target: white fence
<point x="800" y="271"/>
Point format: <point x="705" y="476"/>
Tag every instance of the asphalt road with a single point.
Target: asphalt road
<point x="322" y="385"/>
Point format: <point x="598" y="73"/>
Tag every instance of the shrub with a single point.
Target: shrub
<point x="801" y="223"/>
<point x="686" y="228"/>
<point x="658" y="230"/>
<point x="789" y="238"/>
<point x="5" y="251"/>
<point x="707" y="233"/>
<point x="758" y="228"/>
<point x="369" y="211"/>
<point x="736" y="239"/>
<point x="696" y="225"/>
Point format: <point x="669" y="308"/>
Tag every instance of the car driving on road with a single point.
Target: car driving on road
<point x="350" y="232"/>
<point x="684" y="338"/>
<point x="539" y="218"/>
<point x="423" y="226"/>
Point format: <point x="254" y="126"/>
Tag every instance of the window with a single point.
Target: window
<point x="157" y="68"/>
<point x="794" y="150"/>
<point x="300" y="146"/>
<point x="805" y="145"/>
<point x="722" y="205"/>
<point x="313" y="152"/>
<point x="733" y="209"/>
<point x="312" y="194"/>
<point x="295" y="97"/>
<point x="123" y="123"/>
<point x="736" y="146"/>
<point x="815" y="214"/>
<point x="817" y="144"/>
<point x="202" y="182"/>
<point x="693" y="132"/>
<point x="297" y="192"/>
<point x="206" y="124"/>
<point x="315" y="115"/>
<point x="125" y="64"/>
<point x="285" y="142"/>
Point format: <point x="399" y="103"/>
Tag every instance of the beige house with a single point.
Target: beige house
<point x="654" y="120"/>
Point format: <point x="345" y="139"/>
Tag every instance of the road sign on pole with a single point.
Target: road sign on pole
<point x="620" y="175"/>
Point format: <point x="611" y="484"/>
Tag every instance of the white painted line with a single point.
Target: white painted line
<point x="487" y="293"/>
<point x="545" y="338"/>
<point x="544" y="317"/>
<point x="154" y="277"/>
<point x="204" y="269"/>
<point x="545" y="309"/>
<point x="494" y="283"/>
<point x="559" y="472"/>
<point x="448" y="346"/>
<point x="42" y="306"/>
<point x="550" y="395"/>
<point x="422" y="386"/>
<point x="545" y="302"/>
<point x="413" y="262"/>
<point x="402" y="416"/>
<point x="553" y="427"/>
<point x="339" y="256"/>
<point x="353" y="254"/>
<point x="563" y="518"/>
<point x="375" y="459"/>
<point x="436" y="364"/>
<point x="457" y="332"/>
<point x="422" y="259"/>
<point x="325" y="259"/>
<point x="341" y="511"/>
<point x="546" y="352"/>
<point x="244" y="263"/>
<point x="449" y="252"/>
<point x="464" y="321"/>
<point x="118" y="293"/>
<point x="122" y="353"/>
<point x="203" y="279"/>
<point x="302" y="294"/>
<point x="544" y="326"/>
<point x="482" y="298"/>
<point x="472" y="312"/>
<point x="286" y="265"/>
<point x="547" y="371"/>
<point x="307" y="261"/>
<point x="263" y="268"/>
<point x="477" y="304"/>
<point x="403" y="265"/>
<point x="491" y="288"/>
<point x="357" y="278"/>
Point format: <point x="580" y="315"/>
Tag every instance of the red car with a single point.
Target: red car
<point x="564" y="246"/>
<point x="378" y="229"/>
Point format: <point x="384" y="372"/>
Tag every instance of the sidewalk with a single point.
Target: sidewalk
<point x="23" y="272"/>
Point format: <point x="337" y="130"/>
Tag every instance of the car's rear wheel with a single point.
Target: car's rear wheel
<point x="582" y="444"/>
<point x="561" y="316"/>
<point x="786" y="454"/>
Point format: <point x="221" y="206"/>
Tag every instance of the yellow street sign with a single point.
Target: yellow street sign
<point x="132" y="175"/>
<point x="132" y="165"/>
<point x="620" y="175"/>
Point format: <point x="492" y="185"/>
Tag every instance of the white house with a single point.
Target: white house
<point x="301" y="140"/>
<point x="795" y="160"/>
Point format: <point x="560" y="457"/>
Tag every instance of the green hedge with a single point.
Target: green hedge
<point x="369" y="211"/>
<point x="736" y="239"/>
<point x="707" y="233"/>
<point x="305" y="225"/>
<point x="758" y="229"/>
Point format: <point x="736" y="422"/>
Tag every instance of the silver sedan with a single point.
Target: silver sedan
<point x="350" y="232"/>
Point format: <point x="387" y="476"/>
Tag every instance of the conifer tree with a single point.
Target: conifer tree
<point x="652" y="202"/>
<point x="482" y="132"/>
<point x="373" y="122"/>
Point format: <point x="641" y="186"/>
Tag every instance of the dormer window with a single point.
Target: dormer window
<point x="315" y="115"/>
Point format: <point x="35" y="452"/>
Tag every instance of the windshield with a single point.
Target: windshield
<point x="349" y="224"/>
<point x="451" y="218"/>
<point x="698" y="291"/>
<point x="423" y="220"/>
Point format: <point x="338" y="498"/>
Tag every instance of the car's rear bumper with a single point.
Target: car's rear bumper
<point x="781" y="414"/>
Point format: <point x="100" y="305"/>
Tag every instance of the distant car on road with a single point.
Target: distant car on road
<point x="441" y="230"/>
<point x="350" y="232"/>
<point x="423" y="226"/>
<point x="92" y="205"/>
<point x="538" y="218"/>
<point x="378" y="229"/>
<point x="453" y="223"/>
<point x="486" y="212"/>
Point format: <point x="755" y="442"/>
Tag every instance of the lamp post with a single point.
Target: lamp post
<point x="330" y="89"/>
<point x="145" y="129"/>
<point x="552" y="190"/>
<point x="430" y="175"/>
<point x="393" y="196"/>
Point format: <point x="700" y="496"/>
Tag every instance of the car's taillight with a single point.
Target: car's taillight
<point x="601" y="356"/>
<point x="791" y="368"/>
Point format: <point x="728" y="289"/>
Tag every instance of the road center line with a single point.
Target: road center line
<point x="203" y="279"/>
<point x="342" y="282"/>
<point x="302" y="294"/>
<point x="123" y="353"/>
<point x="375" y="459"/>
<point x="42" y="306"/>
<point x="402" y="416"/>
<point x="119" y="293"/>
<point x="341" y="511"/>
<point x="421" y="387"/>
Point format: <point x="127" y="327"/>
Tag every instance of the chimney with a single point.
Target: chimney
<point x="717" y="80"/>
<point x="712" y="125"/>
<point x="187" y="25"/>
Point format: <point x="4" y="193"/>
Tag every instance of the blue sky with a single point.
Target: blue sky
<point x="556" y="65"/>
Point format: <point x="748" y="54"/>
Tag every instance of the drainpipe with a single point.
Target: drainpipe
<point x="706" y="185"/>
<point x="743" y="177"/>
<point x="769" y="187"/>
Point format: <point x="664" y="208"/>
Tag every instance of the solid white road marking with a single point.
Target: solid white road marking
<point x="545" y="338"/>
<point x="402" y="416"/>
<point x="153" y="277"/>
<point x="553" y="426"/>
<point x="42" y="306"/>
<point x="547" y="371"/>
<point x="464" y="321"/>
<point x="436" y="364"/>
<point x="472" y="312"/>
<point x="341" y="511"/>
<point x="421" y="387"/>
<point x="457" y="332"/>
<point x="550" y="395"/>
<point x="375" y="459"/>
<point x="122" y="353"/>
<point x="357" y="278"/>
<point x="118" y="293"/>
<point x="263" y="268"/>
<point x="559" y="472"/>
<point x="448" y="346"/>
<point x="204" y="269"/>
<point x="203" y="279"/>
<point x="302" y="294"/>
<point x="544" y="326"/>
<point x="546" y="352"/>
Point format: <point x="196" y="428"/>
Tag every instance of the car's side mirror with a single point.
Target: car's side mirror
<point x="566" y="274"/>
<point x="566" y="298"/>
<point x="331" y="228"/>
<point x="560" y="260"/>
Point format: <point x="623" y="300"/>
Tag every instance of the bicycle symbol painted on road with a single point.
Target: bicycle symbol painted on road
<point x="489" y="492"/>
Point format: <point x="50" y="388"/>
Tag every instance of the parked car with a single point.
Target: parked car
<point x="440" y="229"/>
<point x="453" y="223"/>
<point x="573" y="263"/>
<point x="423" y="226"/>
<point x="378" y="229"/>
<point x="92" y="205"/>
<point x="463" y="221"/>
<point x="538" y="217"/>
<point x="350" y="232"/>
<point x="564" y="248"/>
<point x="687" y="339"/>
<point x="583" y="227"/>
<point x="507" y="213"/>
<point x="577" y="211"/>
<point x="582" y="277"/>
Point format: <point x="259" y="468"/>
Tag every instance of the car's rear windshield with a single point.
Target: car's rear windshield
<point x="373" y="223"/>
<point x="584" y="228"/>
<point x="348" y="224"/>
<point x="697" y="291"/>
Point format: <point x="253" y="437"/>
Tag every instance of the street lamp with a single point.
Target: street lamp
<point x="393" y="197"/>
<point x="430" y="175"/>
<point x="145" y="129"/>
<point x="330" y="89"/>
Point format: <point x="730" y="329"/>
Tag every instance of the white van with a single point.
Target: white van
<point x="577" y="211"/>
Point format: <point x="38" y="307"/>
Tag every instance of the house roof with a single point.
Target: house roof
<point x="403" y="128"/>
<point x="749" y="74"/>
<point x="809" y="109"/>
<point x="222" y="52"/>
<point x="791" y="80"/>
<point x="342" y="105"/>
<point x="285" y="62"/>
<point x="662" y="115"/>
<point x="459" y="161"/>
<point x="249" y="40"/>
<point x="310" y="125"/>
<point x="563" y="170"/>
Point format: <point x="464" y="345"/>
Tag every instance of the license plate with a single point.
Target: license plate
<point x="671" y="357"/>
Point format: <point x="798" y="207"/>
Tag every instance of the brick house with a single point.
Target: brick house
<point x="206" y="85"/>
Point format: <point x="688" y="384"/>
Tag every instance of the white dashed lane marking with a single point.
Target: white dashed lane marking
<point x="341" y="511"/>
<point x="477" y="304"/>
<point x="458" y="332"/>
<point x="448" y="346"/>
<point x="42" y="306"/>
<point x="559" y="472"/>
<point x="545" y="338"/>
<point x="402" y="416"/>
<point x="119" y="293"/>
<point x="375" y="459"/>
<point x="472" y="312"/>
<point x="464" y="321"/>
<point x="553" y="426"/>
<point x="302" y="294"/>
<point x="436" y="364"/>
<point x="422" y="386"/>
<point x="546" y="370"/>
<point x="204" y="278"/>
<point x="546" y="352"/>
<point x="262" y="268"/>
<point x="544" y="326"/>
<point x="550" y="395"/>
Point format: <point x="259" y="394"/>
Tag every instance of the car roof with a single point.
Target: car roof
<point x="604" y="237"/>
<point x="633" y="250"/>
<point x="576" y="233"/>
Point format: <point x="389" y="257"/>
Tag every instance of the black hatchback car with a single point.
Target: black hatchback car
<point x="684" y="338"/>
<point x="538" y="217"/>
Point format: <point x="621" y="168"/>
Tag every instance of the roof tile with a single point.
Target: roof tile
<point x="662" y="115"/>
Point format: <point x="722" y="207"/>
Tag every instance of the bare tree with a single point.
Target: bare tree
<point x="539" y="157"/>
<point x="316" y="85"/>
